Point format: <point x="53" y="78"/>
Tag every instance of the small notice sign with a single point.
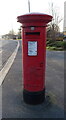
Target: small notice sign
<point x="32" y="48"/>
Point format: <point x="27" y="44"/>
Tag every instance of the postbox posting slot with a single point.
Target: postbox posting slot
<point x="32" y="33"/>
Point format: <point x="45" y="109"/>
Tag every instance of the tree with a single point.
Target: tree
<point x="53" y="27"/>
<point x="10" y="35"/>
<point x="54" y="12"/>
<point x="11" y="32"/>
<point x="19" y="33"/>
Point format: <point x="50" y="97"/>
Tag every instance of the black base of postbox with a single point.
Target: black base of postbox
<point x="33" y="97"/>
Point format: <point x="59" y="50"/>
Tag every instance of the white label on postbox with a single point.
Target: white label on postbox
<point x="32" y="48"/>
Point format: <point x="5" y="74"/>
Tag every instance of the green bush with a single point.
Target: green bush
<point x="50" y="42"/>
<point x="64" y="44"/>
<point x="56" y="45"/>
<point x="61" y="44"/>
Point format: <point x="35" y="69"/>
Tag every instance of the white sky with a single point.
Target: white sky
<point x="10" y="9"/>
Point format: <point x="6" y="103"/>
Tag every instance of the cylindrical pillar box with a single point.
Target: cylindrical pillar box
<point x="34" y="56"/>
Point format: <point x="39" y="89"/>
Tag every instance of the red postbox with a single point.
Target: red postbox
<point x="34" y="56"/>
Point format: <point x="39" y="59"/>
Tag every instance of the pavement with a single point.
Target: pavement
<point x="7" y="47"/>
<point x="13" y="105"/>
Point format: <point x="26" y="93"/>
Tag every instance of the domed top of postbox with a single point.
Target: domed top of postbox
<point x="34" y="19"/>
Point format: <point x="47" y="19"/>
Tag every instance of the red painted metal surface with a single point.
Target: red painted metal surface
<point x="34" y="66"/>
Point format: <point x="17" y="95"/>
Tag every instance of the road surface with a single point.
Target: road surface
<point x="6" y="49"/>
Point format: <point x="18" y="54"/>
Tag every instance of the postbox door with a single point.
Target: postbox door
<point x="34" y="44"/>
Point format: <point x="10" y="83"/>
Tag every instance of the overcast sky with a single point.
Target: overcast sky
<point x="10" y="9"/>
